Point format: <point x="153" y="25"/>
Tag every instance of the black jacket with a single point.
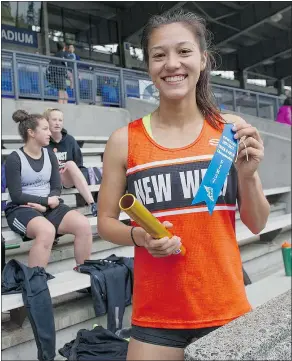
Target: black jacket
<point x="67" y="149"/>
<point x="32" y="283"/>
<point x="111" y="287"/>
<point x="95" y="345"/>
<point x="63" y="55"/>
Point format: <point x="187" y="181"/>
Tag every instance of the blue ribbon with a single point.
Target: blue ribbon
<point x="218" y="169"/>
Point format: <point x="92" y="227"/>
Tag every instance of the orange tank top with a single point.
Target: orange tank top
<point x="205" y="287"/>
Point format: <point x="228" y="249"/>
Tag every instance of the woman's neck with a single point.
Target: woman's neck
<point x="57" y="136"/>
<point x="33" y="149"/>
<point x="179" y="113"/>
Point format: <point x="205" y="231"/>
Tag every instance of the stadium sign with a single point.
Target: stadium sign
<point x="13" y="35"/>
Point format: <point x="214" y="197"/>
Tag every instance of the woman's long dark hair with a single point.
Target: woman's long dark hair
<point x="204" y="96"/>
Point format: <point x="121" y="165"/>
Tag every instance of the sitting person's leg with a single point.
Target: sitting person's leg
<point x="43" y="233"/>
<point x="32" y="224"/>
<point x="72" y="176"/>
<point x="78" y="225"/>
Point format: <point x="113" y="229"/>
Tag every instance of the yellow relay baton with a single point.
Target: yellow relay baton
<point x="140" y="214"/>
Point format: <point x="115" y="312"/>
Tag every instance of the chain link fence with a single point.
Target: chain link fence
<point x="7" y="79"/>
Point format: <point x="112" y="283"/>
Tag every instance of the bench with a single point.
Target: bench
<point x="16" y="139"/>
<point x="66" y="192"/>
<point x="85" y="152"/>
<point x="92" y="157"/>
<point x="70" y="281"/>
<point x="277" y="191"/>
<point x="243" y="234"/>
<point x="67" y="282"/>
<point x="12" y="237"/>
<point x="270" y="287"/>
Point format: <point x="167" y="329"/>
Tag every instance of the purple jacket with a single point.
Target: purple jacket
<point x="284" y="115"/>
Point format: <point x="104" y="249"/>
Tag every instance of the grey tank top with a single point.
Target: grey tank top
<point x="32" y="182"/>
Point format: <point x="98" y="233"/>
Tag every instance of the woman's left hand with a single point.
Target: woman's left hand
<point x="63" y="169"/>
<point x="254" y="148"/>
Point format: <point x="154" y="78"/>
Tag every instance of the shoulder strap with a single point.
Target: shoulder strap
<point x="146" y="121"/>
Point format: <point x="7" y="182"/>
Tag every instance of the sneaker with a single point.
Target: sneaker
<point x="93" y="209"/>
<point x="56" y="241"/>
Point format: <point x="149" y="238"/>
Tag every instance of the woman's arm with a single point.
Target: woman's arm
<point x="112" y="188"/>
<point x="13" y="178"/>
<point x="253" y="206"/>
<point x="55" y="181"/>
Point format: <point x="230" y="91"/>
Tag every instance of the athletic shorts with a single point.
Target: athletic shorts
<point x="19" y="217"/>
<point x="179" y="338"/>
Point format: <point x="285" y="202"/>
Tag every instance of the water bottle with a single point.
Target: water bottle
<point x="287" y="257"/>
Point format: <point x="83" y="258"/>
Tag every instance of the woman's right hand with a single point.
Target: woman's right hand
<point x="162" y="247"/>
<point x="36" y="206"/>
<point x="53" y="202"/>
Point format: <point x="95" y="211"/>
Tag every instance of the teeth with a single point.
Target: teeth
<point x="172" y="79"/>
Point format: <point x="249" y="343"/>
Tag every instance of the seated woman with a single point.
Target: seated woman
<point x="34" y="208"/>
<point x="69" y="155"/>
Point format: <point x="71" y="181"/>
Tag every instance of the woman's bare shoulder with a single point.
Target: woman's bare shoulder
<point x="119" y="137"/>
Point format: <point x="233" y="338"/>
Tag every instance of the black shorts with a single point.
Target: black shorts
<point x="179" y="338"/>
<point x="19" y="217"/>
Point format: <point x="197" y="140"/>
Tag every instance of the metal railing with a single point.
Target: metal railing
<point x="42" y="77"/>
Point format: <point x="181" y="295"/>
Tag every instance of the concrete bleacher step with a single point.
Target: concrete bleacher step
<point x="264" y="258"/>
<point x="74" y="311"/>
<point x="16" y="139"/>
<point x="86" y="211"/>
<point x="244" y="235"/>
<point x="268" y="288"/>
<point x="18" y="343"/>
<point x="277" y="209"/>
<point x="97" y="152"/>
<point x="70" y="317"/>
<point x="67" y="280"/>
<point x="62" y="255"/>
<point x="65" y="260"/>
<point x="277" y="191"/>
<point x="12" y="237"/>
<point x="65" y="192"/>
<point x="72" y="279"/>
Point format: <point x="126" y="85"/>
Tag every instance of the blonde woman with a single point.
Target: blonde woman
<point x="69" y="155"/>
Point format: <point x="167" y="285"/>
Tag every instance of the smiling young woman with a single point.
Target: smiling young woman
<point x="162" y="159"/>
